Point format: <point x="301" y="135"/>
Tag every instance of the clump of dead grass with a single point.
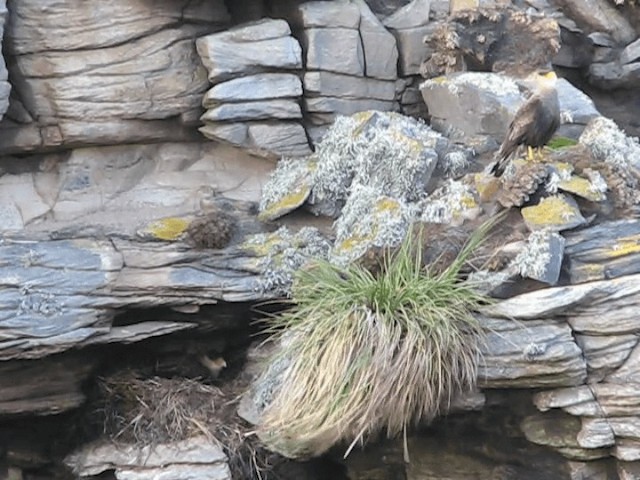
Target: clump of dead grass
<point x="372" y="353"/>
<point x="151" y="411"/>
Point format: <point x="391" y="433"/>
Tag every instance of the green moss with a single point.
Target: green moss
<point x="558" y="143"/>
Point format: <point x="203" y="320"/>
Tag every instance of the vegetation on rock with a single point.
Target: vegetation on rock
<point x="372" y="353"/>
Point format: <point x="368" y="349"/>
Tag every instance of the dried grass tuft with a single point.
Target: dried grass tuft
<point x="151" y="411"/>
<point x="372" y="353"/>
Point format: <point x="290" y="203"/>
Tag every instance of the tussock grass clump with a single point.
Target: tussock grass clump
<point x="372" y="353"/>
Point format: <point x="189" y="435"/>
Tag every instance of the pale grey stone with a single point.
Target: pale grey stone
<point x="577" y="106"/>
<point x="5" y="87"/>
<point x="233" y="133"/>
<point x="333" y="14"/>
<point x="472" y="103"/>
<point x="593" y="470"/>
<point x="95" y="458"/>
<point x="233" y="112"/>
<point x="283" y="138"/>
<point x="614" y="75"/>
<point x="414" y="14"/>
<point x="596" y="433"/>
<point x="601" y="39"/>
<point x="627" y="450"/>
<point x="631" y="52"/>
<point x="265" y="29"/>
<point x="605" y="353"/>
<point x="600" y="16"/>
<point x="104" y="24"/>
<point x="334" y="49"/>
<point x="343" y="106"/>
<point x="380" y="49"/>
<point x="254" y="87"/>
<point x="411" y="48"/>
<point x="250" y="49"/>
<point x="347" y="86"/>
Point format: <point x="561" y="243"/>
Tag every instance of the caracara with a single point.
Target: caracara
<point x="534" y="123"/>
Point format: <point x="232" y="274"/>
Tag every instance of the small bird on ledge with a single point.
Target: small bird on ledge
<point x="534" y="123"/>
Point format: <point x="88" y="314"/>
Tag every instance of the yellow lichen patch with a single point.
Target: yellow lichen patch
<point x="386" y="204"/>
<point x="558" y="212"/>
<point x="439" y="80"/>
<point x="353" y="241"/>
<point x="487" y="186"/>
<point x="563" y="168"/>
<point x="625" y="246"/>
<point x="263" y="248"/>
<point x="581" y="187"/>
<point x="467" y="202"/>
<point x="286" y="204"/>
<point x="169" y="228"/>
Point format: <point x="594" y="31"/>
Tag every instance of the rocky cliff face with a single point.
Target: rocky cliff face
<point x="137" y="139"/>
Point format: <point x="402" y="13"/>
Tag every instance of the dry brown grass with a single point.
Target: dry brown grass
<point x="151" y="411"/>
<point x="372" y="353"/>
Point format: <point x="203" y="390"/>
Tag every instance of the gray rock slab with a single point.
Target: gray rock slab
<point x="154" y="77"/>
<point x="260" y="110"/>
<point x="473" y="103"/>
<point x="538" y="354"/>
<point x="105" y="24"/>
<point x="5" y="87"/>
<point x="596" y="433"/>
<point x="343" y="106"/>
<point x="412" y="49"/>
<point x="614" y="75"/>
<point x="335" y="50"/>
<point x="266" y="44"/>
<point x="631" y="52"/>
<point x="575" y="104"/>
<point x="233" y="133"/>
<point x="334" y="14"/>
<point x="43" y="387"/>
<point x="601" y="16"/>
<point x="283" y="138"/>
<point x="379" y="45"/>
<point x="414" y="14"/>
<point x="627" y="450"/>
<point x="605" y="353"/>
<point x="328" y="84"/>
<point x="263" y="86"/>
<point x="195" y="452"/>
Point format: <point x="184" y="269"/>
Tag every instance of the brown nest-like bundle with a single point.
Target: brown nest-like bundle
<point x="150" y="411"/>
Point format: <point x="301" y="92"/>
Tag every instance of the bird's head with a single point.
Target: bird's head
<point x="545" y="78"/>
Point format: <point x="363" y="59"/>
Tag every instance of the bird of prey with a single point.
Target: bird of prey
<point x="534" y="123"/>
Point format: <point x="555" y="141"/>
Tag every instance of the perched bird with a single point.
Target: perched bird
<point x="214" y="366"/>
<point x="534" y="123"/>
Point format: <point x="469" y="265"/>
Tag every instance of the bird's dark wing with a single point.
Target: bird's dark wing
<point x="523" y="123"/>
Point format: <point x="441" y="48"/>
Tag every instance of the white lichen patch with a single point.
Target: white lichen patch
<point x="496" y="84"/>
<point x="282" y="253"/>
<point x="533" y="261"/>
<point x="370" y="220"/>
<point x="452" y="203"/>
<point x="598" y="183"/>
<point x="610" y="144"/>
<point x="456" y="161"/>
